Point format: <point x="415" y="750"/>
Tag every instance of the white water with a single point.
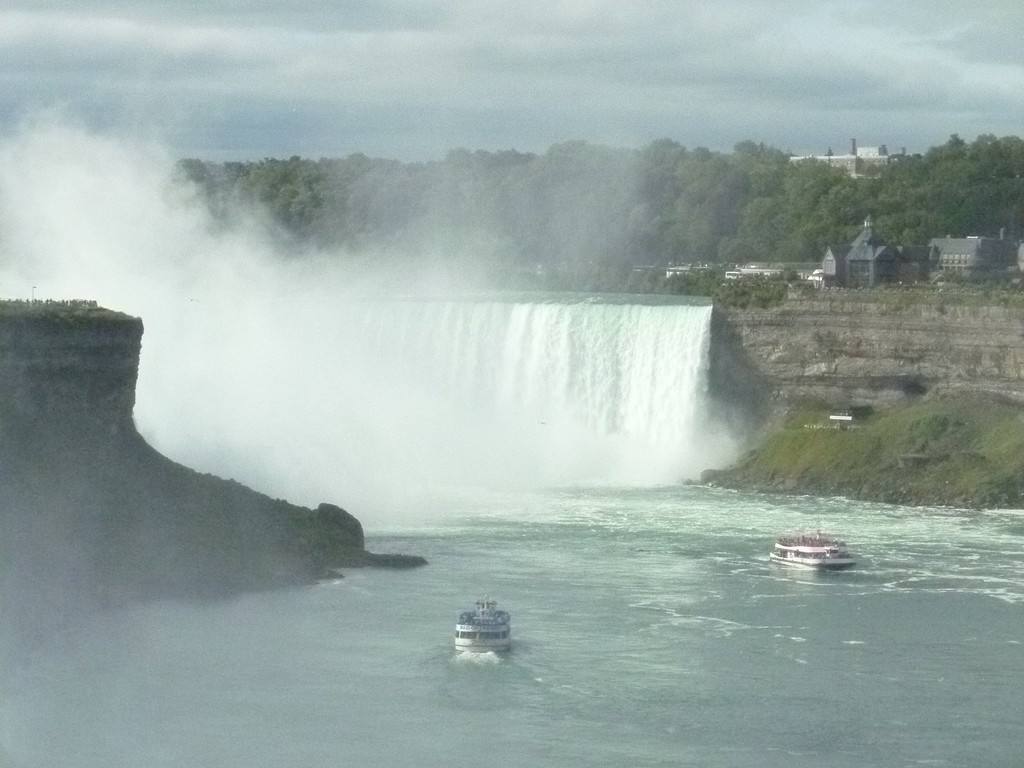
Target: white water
<point x="386" y="399"/>
<point x="597" y="392"/>
<point x="262" y="367"/>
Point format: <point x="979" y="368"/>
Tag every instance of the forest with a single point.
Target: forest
<point x="583" y="215"/>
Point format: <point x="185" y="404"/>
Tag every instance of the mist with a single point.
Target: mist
<point x="286" y="370"/>
<point x="311" y="376"/>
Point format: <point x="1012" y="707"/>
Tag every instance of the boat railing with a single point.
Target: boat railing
<point x="815" y="552"/>
<point x="809" y="540"/>
<point x="470" y="617"/>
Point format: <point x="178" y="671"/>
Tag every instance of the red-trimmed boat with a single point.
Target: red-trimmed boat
<point x="812" y="551"/>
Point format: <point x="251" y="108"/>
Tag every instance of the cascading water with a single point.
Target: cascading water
<point x="378" y="402"/>
<point x="563" y="392"/>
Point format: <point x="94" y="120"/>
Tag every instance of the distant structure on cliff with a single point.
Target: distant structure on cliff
<point x="868" y="261"/>
<point x="861" y="161"/>
<point x="974" y="257"/>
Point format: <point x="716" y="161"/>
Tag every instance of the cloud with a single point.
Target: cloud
<point x="412" y="79"/>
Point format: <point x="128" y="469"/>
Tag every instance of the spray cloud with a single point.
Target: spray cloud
<point x="274" y="369"/>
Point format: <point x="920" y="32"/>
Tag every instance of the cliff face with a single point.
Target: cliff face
<point x="91" y="514"/>
<point x="75" y="361"/>
<point x="843" y="349"/>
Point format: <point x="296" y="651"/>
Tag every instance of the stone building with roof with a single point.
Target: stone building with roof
<point x="868" y="261"/>
<point x="974" y="257"/>
<point x="833" y="266"/>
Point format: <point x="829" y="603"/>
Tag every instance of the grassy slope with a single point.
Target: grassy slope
<point x="964" y="451"/>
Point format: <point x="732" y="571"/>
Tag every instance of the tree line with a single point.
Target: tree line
<point x="586" y="214"/>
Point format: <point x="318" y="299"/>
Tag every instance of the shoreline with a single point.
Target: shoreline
<point x="964" y="452"/>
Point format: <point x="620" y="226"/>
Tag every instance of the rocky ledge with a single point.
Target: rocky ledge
<point x="92" y="513"/>
<point x="872" y="347"/>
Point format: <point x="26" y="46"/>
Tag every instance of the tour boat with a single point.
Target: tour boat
<point x="485" y="628"/>
<point x="816" y="551"/>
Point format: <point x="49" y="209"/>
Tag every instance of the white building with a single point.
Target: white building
<point x="861" y="161"/>
<point x="753" y="271"/>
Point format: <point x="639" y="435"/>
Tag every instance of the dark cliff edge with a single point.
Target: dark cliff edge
<point x="938" y="387"/>
<point x="92" y="515"/>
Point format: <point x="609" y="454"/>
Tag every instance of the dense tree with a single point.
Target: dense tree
<point x="588" y="213"/>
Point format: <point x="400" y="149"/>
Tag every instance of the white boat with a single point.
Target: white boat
<point x="485" y="628"/>
<point x="815" y="551"/>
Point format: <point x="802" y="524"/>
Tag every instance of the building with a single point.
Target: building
<point x="975" y="257"/>
<point x="868" y="261"/>
<point x="861" y="161"/>
<point x="754" y="271"/>
<point x="916" y="263"/>
<point x="676" y="270"/>
<point x="833" y="266"/>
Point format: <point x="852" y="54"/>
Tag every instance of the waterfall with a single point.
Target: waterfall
<point x="374" y="403"/>
<point x="554" y="391"/>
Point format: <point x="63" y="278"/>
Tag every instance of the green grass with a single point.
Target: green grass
<point x="904" y="297"/>
<point x="963" y="451"/>
<point x="62" y="314"/>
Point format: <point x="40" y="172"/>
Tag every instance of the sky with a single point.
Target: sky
<point x="411" y="79"/>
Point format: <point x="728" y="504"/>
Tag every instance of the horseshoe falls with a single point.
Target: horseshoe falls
<point x="542" y="392"/>
<point x="382" y="403"/>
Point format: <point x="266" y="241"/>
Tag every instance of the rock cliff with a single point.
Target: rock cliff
<point x="944" y="382"/>
<point x="91" y="514"/>
<point x="68" y="360"/>
<point x="864" y="349"/>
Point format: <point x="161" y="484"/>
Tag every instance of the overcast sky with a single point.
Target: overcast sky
<point x="411" y="79"/>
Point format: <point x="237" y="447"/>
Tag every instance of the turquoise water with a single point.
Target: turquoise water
<point x="649" y="628"/>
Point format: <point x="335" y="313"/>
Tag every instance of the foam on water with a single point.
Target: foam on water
<point x="483" y="658"/>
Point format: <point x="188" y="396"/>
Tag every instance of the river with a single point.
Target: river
<point x="649" y="630"/>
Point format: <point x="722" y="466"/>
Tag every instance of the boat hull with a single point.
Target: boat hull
<point x="464" y="644"/>
<point x="814" y="564"/>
